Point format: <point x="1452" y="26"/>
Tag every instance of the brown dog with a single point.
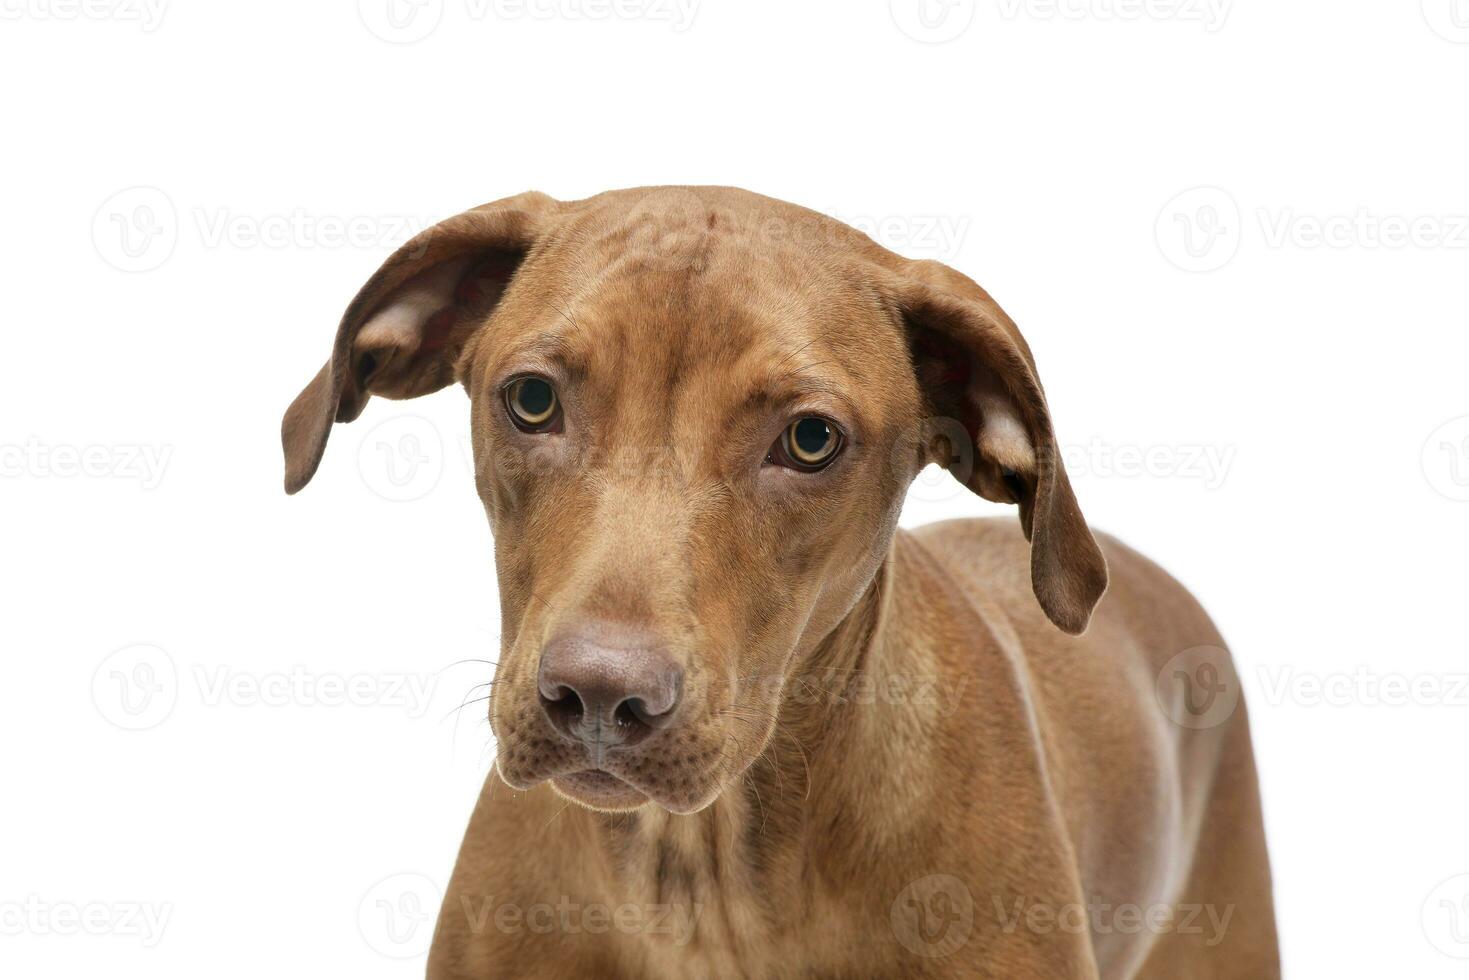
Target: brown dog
<point x="804" y="743"/>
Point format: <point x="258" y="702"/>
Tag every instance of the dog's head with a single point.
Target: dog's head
<point x="695" y="414"/>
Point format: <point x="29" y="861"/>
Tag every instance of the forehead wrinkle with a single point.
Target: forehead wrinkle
<point x="804" y="383"/>
<point x="552" y="346"/>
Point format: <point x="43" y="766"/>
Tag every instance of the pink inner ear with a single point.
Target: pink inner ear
<point x="423" y="318"/>
<point x="401" y="322"/>
<point x="945" y="370"/>
<point x="436" y="330"/>
<point x="481" y="285"/>
<point x="960" y="387"/>
<point x="486" y="279"/>
<point x="940" y="361"/>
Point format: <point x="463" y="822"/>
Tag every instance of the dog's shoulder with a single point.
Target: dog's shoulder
<point x="988" y="560"/>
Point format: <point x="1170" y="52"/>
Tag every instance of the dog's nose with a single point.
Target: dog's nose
<point x="607" y="695"/>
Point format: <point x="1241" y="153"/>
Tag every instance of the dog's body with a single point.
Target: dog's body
<point x="1038" y="774"/>
<point x="832" y="750"/>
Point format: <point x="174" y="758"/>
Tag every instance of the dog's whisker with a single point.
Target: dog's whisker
<point x="792" y="355"/>
<point x="471" y="660"/>
<point x="758" y="801"/>
<point x="564" y="807"/>
<point x="466" y="704"/>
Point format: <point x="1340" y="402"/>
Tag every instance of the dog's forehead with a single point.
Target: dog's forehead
<point x="671" y="288"/>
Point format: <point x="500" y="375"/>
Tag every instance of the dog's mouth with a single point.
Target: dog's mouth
<point x="599" y="789"/>
<point x="620" y="780"/>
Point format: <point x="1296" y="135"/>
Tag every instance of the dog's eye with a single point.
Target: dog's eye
<point x="533" y="404"/>
<point x="808" y="443"/>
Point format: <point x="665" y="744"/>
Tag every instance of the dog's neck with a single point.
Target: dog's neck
<point x="774" y="830"/>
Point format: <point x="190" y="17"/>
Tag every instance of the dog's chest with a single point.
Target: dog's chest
<point x="699" y="903"/>
<point x="712" y="938"/>
<point x="718" y="906"/>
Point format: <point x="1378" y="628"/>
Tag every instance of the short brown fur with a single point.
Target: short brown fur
<point x="897" y="753"/>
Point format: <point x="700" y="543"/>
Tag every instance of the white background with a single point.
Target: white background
<point x="1235" y="235"/>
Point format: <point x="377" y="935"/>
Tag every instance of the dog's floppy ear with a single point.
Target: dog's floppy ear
<point x="406" y="326"/>
<point x="973" y="366"/>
